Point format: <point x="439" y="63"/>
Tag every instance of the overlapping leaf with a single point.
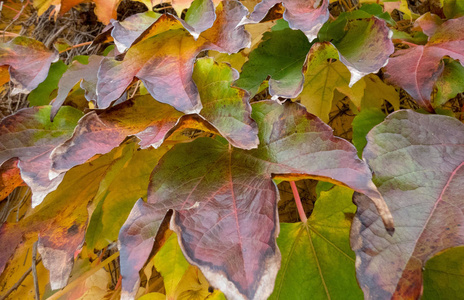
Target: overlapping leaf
<point x="325" y="74"/>
<point x="364" y="45"/>
<point x="305" y="15"/>
<point x="280" y="55"/>
<point x="317" y="262"/>
<point x="417" y="160"/>
<point x="218" y="191"/>
<point x="85" y="73"/>
<point x="10" y="177"/>
<point x="224" y="107"/>
<point x="28" y="61"/>
<point x="30" y="136"/>
<point x="417" y="69"/>
<point x="60" y="221"/>
<point x="172" y="48"/>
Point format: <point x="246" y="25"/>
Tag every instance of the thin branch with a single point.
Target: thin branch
<point x="76" y="46"/>
<point x="18" y="283"/>
<point x="299" y="206"/>
<point x="34" y="271"/>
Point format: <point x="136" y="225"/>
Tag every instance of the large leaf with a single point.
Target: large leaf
<point x="30" y="136"/>
<point x="280" y="55"/>
<point x="225" y="200"/>
<point x="417" y="161"/>
<point x="28" y="61"/>
<point x="60" y="221"/>
<point x="100" y="131"/>
<point x="417" y="69"/>
<point x="306" y="15"/>
<point x="225" y="107"/>
<point x="317" y="262"/>
<point x="118" y="195"/>
<point x="171" y="48"/>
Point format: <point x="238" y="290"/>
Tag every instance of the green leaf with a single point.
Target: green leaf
<point x="171" y="263"/>
<point x="317" y="261"/>
<point x="362" y="124"/>
<point x="444" y="275"/>
<point x="324" y="75"/>
<point x="41" y="94"/>
<point x="453" y="8"/>
<point x="449" y="84"/>
<point x="281" y="56"/>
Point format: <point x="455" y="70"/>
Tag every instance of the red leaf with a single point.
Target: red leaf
<point x="418" y="164"/>
<point x="225" y="200"/>
<point x="75" y="73"/>
<point x="172" y="48"/>
<point x="306" y="15"/>
<point x="29" y="62"/>
<point x="417" y="69"/>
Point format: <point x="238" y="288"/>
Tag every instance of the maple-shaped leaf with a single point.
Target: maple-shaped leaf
<point x="280" y="55"/>
<point x="325" y="74"/>
<point x="172" y="48"/>
<point x="61" y="220"/>
<point x="28" y="60"/>
<point x="225" y="200"/>
<point x="417" y="69"/>
<point x="305" y="15"/>
<point x="78" y="72"/>
<point x="30" y="136"/>
<point x="226" y="108"/>
<point x="317" y="261"/>
<point x="10" y="177"/>
<point x="418" y="165"/>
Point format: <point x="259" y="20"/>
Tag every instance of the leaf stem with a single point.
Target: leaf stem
<point x="76" y="46"/>
<point x="299" y="206"/>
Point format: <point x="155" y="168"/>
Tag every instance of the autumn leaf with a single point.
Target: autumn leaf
<point x="10" y="177"/>
<point x="417" y="69"/>
<point x="449" y="84"/>
<point x="104" y="9"/>
<point x="98" y="132"/>
<point x="325" y="74"/>
<point x="362" y="124"/>
<point x="224" y="107"/>
<point x="172" y="48"/>
<point x="41" y="94"/>
<point x="417" y="161"/>
<point x="78" y="72"/>
<point x="30" y="136"/>
<point x="280" y="55"/>
<point x="317" y="261"/>
<point x="60" y="237"/>
<point x="212" y="188"/>
<point x="28" y="60"/>
<point x="307" y="15"/>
